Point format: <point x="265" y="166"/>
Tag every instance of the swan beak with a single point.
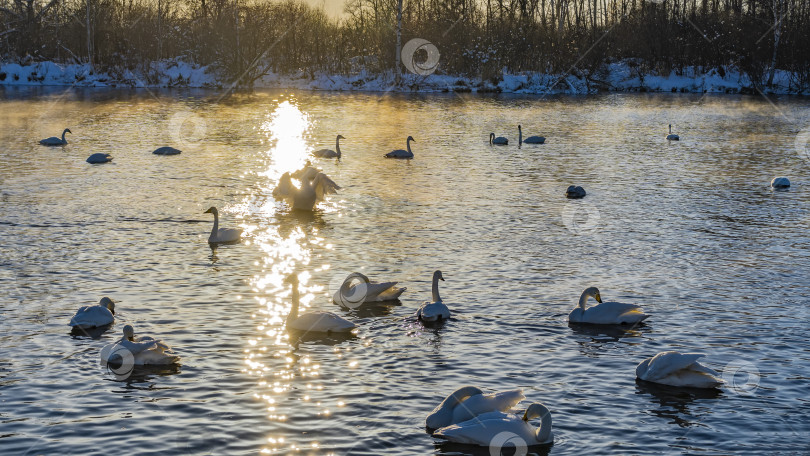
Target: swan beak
<point x="598" y="298"/>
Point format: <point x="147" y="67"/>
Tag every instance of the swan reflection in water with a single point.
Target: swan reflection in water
<point x="673" y="404"/>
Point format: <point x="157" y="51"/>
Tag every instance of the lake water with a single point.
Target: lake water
<point x="690" y="230"/>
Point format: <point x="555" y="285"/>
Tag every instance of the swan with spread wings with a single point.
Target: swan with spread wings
<point x="313" y="188"/>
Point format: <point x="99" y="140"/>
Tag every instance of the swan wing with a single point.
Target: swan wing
<point x="92" y="316"/>
<point x="432" y="311"/>
<point x="321" y="322"/>
<point x="156" y="356"/>
<point x="324" y="186"/>
<point x="613" y="313"/>
<point x="667" y="363"/>
<point x="483" y="403"/>
<point x="482" y="430"/>
<point x="285" y="188"/>
<point x="325" y="153"/>
<point x="228" y="234"/>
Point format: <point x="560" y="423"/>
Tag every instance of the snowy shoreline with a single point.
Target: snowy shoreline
<point x="616" y="77"/>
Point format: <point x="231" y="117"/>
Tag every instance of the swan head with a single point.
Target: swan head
<point x="129" y="332"/>
<point x="438" y="275"/>
<point x="491" y="137"/>
<point x="536" y="410"/>
<point x="108" y="303"/>
<point x="291" y="279"/>
<point x="211" y="210"/>
<point x="340" y="137"/>
<point x="410" y="138"/>
<point x="67" y="130"/>
<point x="519" y="129"/>
<point x="592" y="292"/>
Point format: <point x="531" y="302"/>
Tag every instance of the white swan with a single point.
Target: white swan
<point x="468" y="402"/>
<point x="329" y="153"/>
<point x="499" y="141"/>
<point x="399" y="153"/>
<point x="139" y="351"/>
<point x="435" y="310"/>
<point x="315" y="185"/>
<point x="678" y="369"/>
<point x="605" y="313"/>
<point x="99" y="158"/>
<point x="530" y="139"/>
<point x="780" y="182"/>
<point x="351" y="295"/>
<point x="222" y="235"/>
<point x="166" y="150"/>
<point x="672" y="137"/>
<point x="486" y="429"/>
<point x="575" y="192"/>
<point x="313" y="321"/>
<point x="54" y="141"/>
<point x="101" y="314"/>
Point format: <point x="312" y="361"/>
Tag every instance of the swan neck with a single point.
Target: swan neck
<point x="294" y="310"/>
<point x="337" y="146"/>
<point x="583" y="300"/>
<point x="520" y="135"/>
<point x="436" y="297"/>
<point x="63" y="136"/>
<point x="544" y="431"/>
<point x="408" y="145"/>
<point x="215" y="229"/>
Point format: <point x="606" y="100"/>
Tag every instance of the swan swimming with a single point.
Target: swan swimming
<point x="530" y="139"/>
<point x="366" y="291"/>
<point x="222" y="235"/>
<point x="484" y="429"/>
<point x="499" y="141"/>
<point x="399" y="153"/>
<point x="313" y="321"/>
<point x="436" y="310"/>
<point x="99" y="158"/>
<point x="672" y="137"/>
<point x="678" y="369"/>
<point x="166" y="150"/>
<point x="144" y="350"/>
<point x="101" y="314"/>
<point x="605" y="313"/>
<point x="54" y="141"/>
<point x="315" y="185"/>
<point x="575" y="192"/>
<point x="468" y="402"/>
<point x="780" y="182"/>
<point x="329" y="153"/>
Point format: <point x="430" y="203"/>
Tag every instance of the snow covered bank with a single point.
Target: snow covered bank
<point x="622" y="76"/>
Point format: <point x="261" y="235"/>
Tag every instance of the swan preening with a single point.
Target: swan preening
<point x="494" y="429"/>
<point x="99" y="158"/>
<point x="353" y="295"/>
<point x="468" y="402"/>
<point x="399" y="153"/>
<point x="530" y="139"/>
<point x="222" y="235"/>
<point x="101" y="314"/>
<point x="435" y="310"/>
<point x="605" y="313"/>
<point x="575" y="192"/>
<point x="313" y="321"/>
<point x="499" y="141"/>
<point x="54" y="141"/>
<point x="166" y="150"/>
<point x="138" y="351"/>
<point x="672" y="137"/>
<point x="678" y="369"/>
<point x="780" y="182"/>
<point x="315" y="185"/>
<point x="329" y="153"/>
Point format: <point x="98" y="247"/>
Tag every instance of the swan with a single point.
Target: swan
<point x="672" y="137"/>
<point x="499" y="141"/>
<point x="99" y="158"/>
<point x="780" y="182"/>
<point x="575" y="192"/>
<point x="436" y="310"/>
<point x="54" y="141"/>
<point x="329" y="153"/>
<point x="678" y="369"/>
<point x="366" y="291"/>
<point x="101" y="314"/>
<point x="488" y="428"/>
<point x="166" y="150"/>
<point x="468" y="402"/>
<point x="399" y="153"/>
<point x="530" y="139"/>
<point x="315" y="185"/>
<point x="605" y="313"/>
<point x="144" y="350"/>
<point x="313" y="321"/>
<point x="222" y="235"/>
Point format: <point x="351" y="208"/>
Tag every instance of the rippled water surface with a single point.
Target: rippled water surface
<point x="689" y="230"/>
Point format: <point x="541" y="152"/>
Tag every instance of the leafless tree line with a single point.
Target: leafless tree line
<point x="480" y="38"/>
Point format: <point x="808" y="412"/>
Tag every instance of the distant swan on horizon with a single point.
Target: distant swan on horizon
<point x="99" y="158"/>
<point x="499" y="141"/>
<point x="780" y="182"/>
<point x="399" y="153"/>
<point x="672" y="137"/>
<point x="329" y="153"/>
<point x="530" y="139"/>
<point x="54" y="141"/>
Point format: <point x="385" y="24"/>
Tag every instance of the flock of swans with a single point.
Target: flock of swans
<point x="468" y="415"/>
